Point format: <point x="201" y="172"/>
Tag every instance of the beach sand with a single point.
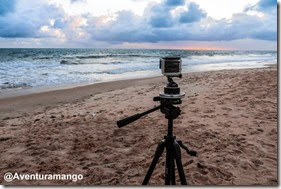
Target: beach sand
<point x="229" y="117"/>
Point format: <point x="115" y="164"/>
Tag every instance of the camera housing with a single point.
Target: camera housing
<point x="171" y="66"/>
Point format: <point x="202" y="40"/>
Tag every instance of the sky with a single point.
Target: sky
<point x="164" y="24"/>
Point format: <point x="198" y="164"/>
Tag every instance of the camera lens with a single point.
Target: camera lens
<point x="172" y="67"/>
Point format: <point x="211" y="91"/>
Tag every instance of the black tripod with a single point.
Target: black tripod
<point x="173" y="151"/>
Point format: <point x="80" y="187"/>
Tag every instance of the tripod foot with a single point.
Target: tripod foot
<point x="192" y="153"/>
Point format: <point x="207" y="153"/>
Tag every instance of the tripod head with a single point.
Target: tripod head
<point x="170" y="97"/>
<point x="172" y="91"/>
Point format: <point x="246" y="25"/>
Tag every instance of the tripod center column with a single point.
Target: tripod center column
<point x="170" y="127"/>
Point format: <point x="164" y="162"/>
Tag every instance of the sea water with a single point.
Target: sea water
<point x="27" y="68"/>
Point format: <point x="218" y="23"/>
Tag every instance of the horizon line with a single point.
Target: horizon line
<point x="184" y="49"/>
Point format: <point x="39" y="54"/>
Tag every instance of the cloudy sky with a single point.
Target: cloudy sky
<point x="169" y="24"/>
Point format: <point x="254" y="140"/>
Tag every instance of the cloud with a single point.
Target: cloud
<point x="193" y="14"/>
<point x="174" y="2"/>
<point x="160" y="15"/>
<point x="166" y="21"/>
<point x="192" y="24"/>
<point x="269" y="6"/>
<point x="161" y="21"/>
<point x="27" y="19"/>
<point x="265" y="4"/>
<point x="61" y="23"/>
<point x="6" y="6"/>
<point x="241" y="26"/>
<point x="77" y="1"/>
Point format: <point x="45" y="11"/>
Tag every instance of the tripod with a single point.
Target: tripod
<point x="173" y="151"/>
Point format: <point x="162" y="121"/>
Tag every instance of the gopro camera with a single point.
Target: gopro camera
<point x="171" y="66"/>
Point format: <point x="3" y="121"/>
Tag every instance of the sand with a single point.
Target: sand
<point x="229" y="117"/>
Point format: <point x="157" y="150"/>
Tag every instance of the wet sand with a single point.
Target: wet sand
<point x="229" y="117"/>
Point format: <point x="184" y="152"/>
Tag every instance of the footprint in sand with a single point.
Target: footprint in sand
<point x="256" y="162"/>
<point x="200" y="178"/>
<point x="226" y="108"/>
<point x="208" y="116"/>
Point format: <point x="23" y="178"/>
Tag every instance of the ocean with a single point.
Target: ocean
<point x="30" y="68"/>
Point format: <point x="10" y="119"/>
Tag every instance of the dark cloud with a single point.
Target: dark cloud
<point x="26" y="21"/>
<point x="193" y="14"/>
<point x="159" y="15"/>
<point x="161" y="21"/>
<point x="269" y="6"/>
<point x="174" y="2"/>
<point x="6" y="6"/>
<point x="16" y="29"/>
<point x="264" y="4"/>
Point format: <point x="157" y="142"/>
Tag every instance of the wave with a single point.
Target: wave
<point x="204" y="59"/>
<point x="113" y="55"/>
<point x="93" y="56"/>
<point x="8" y="85"/>
<point x="122" y="71"/>
<point x="83" y="63"/>
<point x="110" y="71"/>
<point x="70" y="62"/>
<point x="43" y="58"/>
<point x="117" y="62"/>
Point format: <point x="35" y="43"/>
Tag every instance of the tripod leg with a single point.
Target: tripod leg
<point x="159" y="150"/>
<point x="173" y="171"/>
<point x="169" y="162"/>
<point x="179" y="163"/>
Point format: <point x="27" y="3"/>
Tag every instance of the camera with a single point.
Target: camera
<point x="171" y="66"/>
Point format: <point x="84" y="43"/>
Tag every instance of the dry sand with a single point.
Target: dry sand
<point x="229" y="117"/>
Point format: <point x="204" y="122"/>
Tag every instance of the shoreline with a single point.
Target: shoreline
<point x="48" y="97"/>
<point x="9" y="93"/>
<point x="37" y="101"/>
